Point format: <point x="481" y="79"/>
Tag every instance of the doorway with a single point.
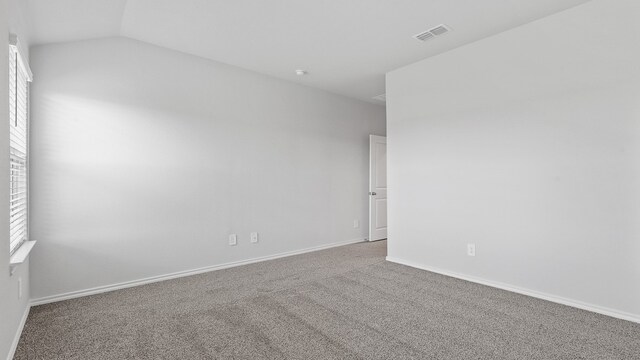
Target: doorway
<point x="377" y="187"/>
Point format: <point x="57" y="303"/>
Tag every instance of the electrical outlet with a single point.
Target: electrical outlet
<point x="254" y="237"/>
<point x="356" y="224"/>
<point x="471" y="249"/>
<point x="233" y="239"/>
<point x="19" y="288"/>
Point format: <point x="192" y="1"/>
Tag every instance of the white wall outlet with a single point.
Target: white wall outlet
<point x="233" y="239"/>
<point x="356" y="224"/>
<point x="19" y="288"/>
<point x="254" y="237"/>
<point x="471" y="249"/>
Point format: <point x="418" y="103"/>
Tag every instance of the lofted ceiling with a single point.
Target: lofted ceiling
<point x="345" y="45"/>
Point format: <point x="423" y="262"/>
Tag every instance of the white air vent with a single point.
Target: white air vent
<point x="433" y="32"/>
<point x="382" y="97"/>
<point x="424" y="36"/>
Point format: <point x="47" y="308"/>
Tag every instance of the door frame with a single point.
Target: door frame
<point x="373" y="139"/>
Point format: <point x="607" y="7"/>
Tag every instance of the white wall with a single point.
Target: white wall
<point x="144" y="160"/>
<point x="12" y="307"/>
<point x="19" y="24"/>
<point x="528" y="145"/>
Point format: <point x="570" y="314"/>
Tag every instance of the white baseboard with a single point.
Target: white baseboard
<point x="16" y="338"/>
<point x="556" y="299"/>
<point x="149" y="280"/>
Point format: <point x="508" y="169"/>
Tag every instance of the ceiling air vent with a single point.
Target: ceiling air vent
<point x="432" y="33"/>
<point x="424" y="36"/>
<point x="382" y="97"/>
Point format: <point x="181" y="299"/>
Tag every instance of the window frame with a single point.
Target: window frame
<point x="19" y="79"/>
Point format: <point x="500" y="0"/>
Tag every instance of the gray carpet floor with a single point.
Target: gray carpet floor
<point x="341" y="303"/>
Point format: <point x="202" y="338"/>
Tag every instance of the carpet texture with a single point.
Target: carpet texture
<point x="341" y="303"/>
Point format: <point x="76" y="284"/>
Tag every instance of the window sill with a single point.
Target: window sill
<point x="20" y="256"/>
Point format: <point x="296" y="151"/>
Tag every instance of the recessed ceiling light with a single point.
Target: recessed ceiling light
<point x="301" y="72"/>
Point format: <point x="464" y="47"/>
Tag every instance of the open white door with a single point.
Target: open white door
<point x="377" y="187"/>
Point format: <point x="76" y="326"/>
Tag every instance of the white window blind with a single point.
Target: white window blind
<point x="19" y="77"/>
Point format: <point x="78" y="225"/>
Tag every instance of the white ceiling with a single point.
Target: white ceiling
<point x="346" y="45"/>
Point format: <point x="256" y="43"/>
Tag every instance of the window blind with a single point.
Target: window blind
<point x="19" y="78"/>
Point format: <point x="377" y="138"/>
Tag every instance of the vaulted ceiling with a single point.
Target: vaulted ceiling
<point x="345" y="45"/>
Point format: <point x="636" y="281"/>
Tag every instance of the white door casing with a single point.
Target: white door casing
<point x="377" y="187"/>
